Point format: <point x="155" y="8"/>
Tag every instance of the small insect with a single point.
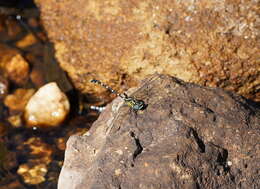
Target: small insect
<point x="134" y="103"/>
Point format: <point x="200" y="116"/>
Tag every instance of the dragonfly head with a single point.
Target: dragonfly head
<point x="138" y="104"/>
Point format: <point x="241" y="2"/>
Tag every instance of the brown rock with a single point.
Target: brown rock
<point x="9" y="27"/>
<point x="32" y="174"/>
<point x="187" y="137"/>
<point x="213" y="43"/>
<point x="28" y="40"/>
<point x="40" y="155"/>
<point x="15" y="120"/>
<point x="18" y="100"/>
<point x="14" y="65"/>
<point x="18" y="69"/>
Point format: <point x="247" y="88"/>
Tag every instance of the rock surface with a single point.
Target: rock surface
<point x="187" y="137"/>
<point x="212" y="43"/>
<point x="47" y="107"/>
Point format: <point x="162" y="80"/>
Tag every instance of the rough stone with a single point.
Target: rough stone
<point x="18" y="100"/>
<point x="212" y="43"/>
<point x="15" y="67"/>
<point x="188" y="136"/>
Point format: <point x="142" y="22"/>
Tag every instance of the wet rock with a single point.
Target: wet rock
<point x="187" y="137"/>
<point x="9" y="28"/>
<point x="28" y="40"/>
<point x="32" y="174"/>
<point x="39" y="156"/>
<point x="18" y="69"/>
<point x="47" y="107"/>
<point x="3" y="87"/>
<point x="18" y="100"/>
<point x="15" y="184"/>
<point x="212" y="43"/>
<point x="40" y="152"/>
<point x="16" y="103"/>
<point x="14" y="66"/>
<point x="15" y="120"/>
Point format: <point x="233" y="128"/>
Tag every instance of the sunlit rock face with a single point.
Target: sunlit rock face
<point x="212" y="43"/>
<point x="47" y="107"/>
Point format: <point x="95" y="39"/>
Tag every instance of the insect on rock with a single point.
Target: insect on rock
<point x="134" y="103"/>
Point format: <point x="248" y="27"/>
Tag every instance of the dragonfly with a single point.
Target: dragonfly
<point x="132" y="102"/>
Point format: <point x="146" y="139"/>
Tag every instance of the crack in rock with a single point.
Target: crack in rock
<point x="139" y="147"/>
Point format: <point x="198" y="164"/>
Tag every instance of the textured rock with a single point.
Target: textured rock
<point x="213" y="43"/>
<point x="14" y="65"/>
<point x="187" y="137"/>
<point x="18" y="100"/>
<point x="49" y="106"/>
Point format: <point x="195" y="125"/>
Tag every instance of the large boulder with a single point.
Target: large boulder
<point x="212" y="43"/>
<point x="188" y="136"/>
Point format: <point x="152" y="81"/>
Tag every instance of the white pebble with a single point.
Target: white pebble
<point x="47" y="107"/>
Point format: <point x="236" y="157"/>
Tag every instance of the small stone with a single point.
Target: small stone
<point x="18" y="69"/>
<point x="40" y="152"/>
<point x="3" y="87"/>
<point x="47" y="107"/>
<point x="33" y="174"/>
<point x="15" y="120"/>
<point x="61" y="143"/>
<point x="18" y="100"/>
<point x="28" y="40"/>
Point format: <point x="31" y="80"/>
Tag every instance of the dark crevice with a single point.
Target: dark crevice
<point x="197" y="186"/>
<point x="200" y="143"/>
<point x="222" y="159"/>
<point x="139" y="147"/>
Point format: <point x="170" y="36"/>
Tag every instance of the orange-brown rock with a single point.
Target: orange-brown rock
<point x="28" y="40"/>
<point x="213" y="43"/>
<point x="33" y="174"/>
<point x="18" y="100"/>
<point x="14" y="65"/>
